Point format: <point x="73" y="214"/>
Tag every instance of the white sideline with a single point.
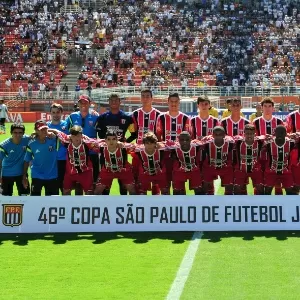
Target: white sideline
<point x="186" y="265"/>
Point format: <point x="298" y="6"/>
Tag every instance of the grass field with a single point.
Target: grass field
<point x="235" y="265"/>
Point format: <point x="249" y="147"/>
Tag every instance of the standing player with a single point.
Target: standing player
<point x="56" y="122"/>
<point x="170" y="125"/>
<point x="150" y="165"/>
<point x="227" y="112"/>
<point x="218" y="160"/>
<point x="144" y="120"/>
<point x="266" y="125"/>
<point x="114" y="164"/>
<point x="118" y="121"/>
<point x="186" y="166"/>
<point x="234" y="124"/>
<point x="248" y="162"/>
<point x="278" y="167"/>
<point x="41" y="153"/>
<point x="12" y="153"/>
<point x="203" y="124"/>
<point x="88" y="122"/>
<point x="3" y="116"/>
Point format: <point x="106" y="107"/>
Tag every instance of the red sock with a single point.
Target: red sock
<point x="155" y="189"/>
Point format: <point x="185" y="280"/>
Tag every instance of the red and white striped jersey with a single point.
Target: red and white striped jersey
<point x="248" y="156"/>
<point x="263" y="127"/>
<point x="201" y="128"/>
<point x="234" y="128"/>
<point x="218" y="157"/>
<point x="279" y="156"/>
<point x="113" y="161"/>
<point x="293" y="122"/>
<point x="144" y="122"/>
<point x="169" y="127"/>
<point x="151" y="164"/>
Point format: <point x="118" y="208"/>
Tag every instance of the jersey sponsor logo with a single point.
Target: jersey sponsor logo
<point x="12" y="214"/>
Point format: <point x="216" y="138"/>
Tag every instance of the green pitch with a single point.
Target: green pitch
<point x="236" y="265"/>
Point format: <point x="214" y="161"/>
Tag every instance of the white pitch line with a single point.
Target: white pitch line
<point x="185" y="267"/>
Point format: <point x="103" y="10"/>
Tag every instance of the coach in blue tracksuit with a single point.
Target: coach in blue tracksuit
<point x="12" y="153"/>
<point x="56" y="122"/>
<point x="88" y="122"/>
<point x="116" y="120"/>
<point x="41" y="153"/>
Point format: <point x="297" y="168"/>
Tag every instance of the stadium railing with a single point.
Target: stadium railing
<point x="101" y="94"/>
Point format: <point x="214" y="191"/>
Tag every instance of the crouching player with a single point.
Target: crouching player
<point x="150" y="165"/>
<point x="278" y="167"/>
<point x="218" y="160"/>
<point x="114" y="164"/>
<point x="247" y="162"/>
<point x="186" y="156"/>
<point x="79" y="167"/>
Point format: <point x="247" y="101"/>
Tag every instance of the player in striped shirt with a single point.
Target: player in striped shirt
<point x="186" y="166"/>
<point x="266" y="125"/>
<point x="150" y="165"/>
<point x="218" y="161"/>
<point x="235" y="124"/>
<point x="278" y="167"/>
<point x="79" y="167"/>
<point x="170" y="125"/>
<point x="144" y="120"/>
<point x="247" y="162"/>
<point x="203" y="124"/>
<point x="114" y="164"/>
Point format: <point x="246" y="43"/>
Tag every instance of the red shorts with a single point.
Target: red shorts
<point x="296" y="175"/>
<point x="273" y="179"/>
<point x="85" y="179"/>
<point x="160" y="179"/>
<point x="211" y="173"/>
<point x="106" y="177"/>
<point x="242" y="178"/>
<point x="180" y="178"/>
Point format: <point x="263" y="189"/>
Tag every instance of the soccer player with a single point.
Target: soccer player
<point x="115" y="120"/>
<point x="12" y="153"/>
<point x="41" y="155"/>
<point x="203" y="124"/>
<point x="3" y="115"/>
<point x="170" y="125"/>
<point x="227" y="112"/>
<point x="114" y="164"/>
<point x="266" y="125"/>
<point x="56" y="111"/>
<point x="217" y="161"/>
<point x="247" y="157"/>
<point x="144" y="120"/>
<point x="186" y="166"/>
<point x="257" y="114"/>
<point x="293" y="121"/>
<point x="278" y="167"/>
<point x="234" y="124"/>
<point x="79" y="168"/>
<point x="150" y="166"/>
<point x="88" y="122"/>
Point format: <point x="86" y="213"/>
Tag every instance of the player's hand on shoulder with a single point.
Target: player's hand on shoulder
<point x="51" y="135"/>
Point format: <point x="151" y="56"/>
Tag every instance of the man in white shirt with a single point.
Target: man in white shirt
<point x="3" y="116"/>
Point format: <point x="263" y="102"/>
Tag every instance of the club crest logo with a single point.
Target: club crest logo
<point x="12" y="214"/>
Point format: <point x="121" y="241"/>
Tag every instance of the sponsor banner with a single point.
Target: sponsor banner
<point x="30" y="117"/>
<point x="142" y="213"/>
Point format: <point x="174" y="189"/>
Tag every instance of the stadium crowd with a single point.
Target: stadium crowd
<point x="170" y="149"/>
<point x="155" y="43"/>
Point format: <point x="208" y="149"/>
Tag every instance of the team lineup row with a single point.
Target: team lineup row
<point x="198" y="149"/>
